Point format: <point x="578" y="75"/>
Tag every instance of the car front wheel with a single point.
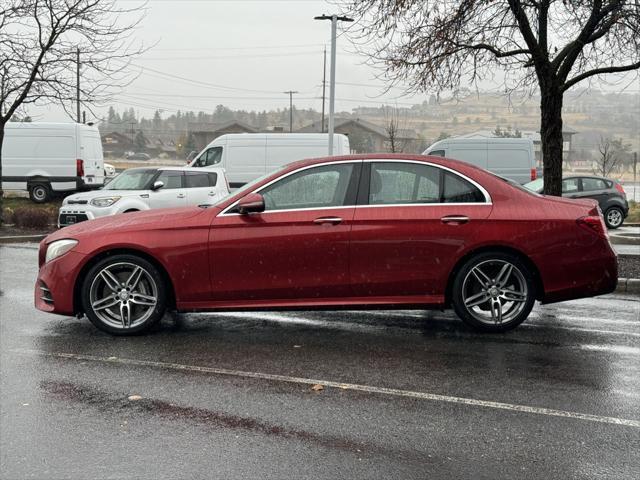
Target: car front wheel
<point x="124" y="295"/>
<point x="494" y="292"/>
<point x="613" y="217"/>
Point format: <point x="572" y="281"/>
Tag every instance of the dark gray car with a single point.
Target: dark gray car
<point x="609" y="194"/>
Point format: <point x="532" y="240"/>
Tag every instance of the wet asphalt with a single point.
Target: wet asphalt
<point x="231" y="395"/>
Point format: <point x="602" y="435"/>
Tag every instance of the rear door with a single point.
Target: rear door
<point x="201" y="187"/>
<point x="172" y="194"/>
<point x="511" y="161"/>
<point x="412" y="221"/>
<point x="596" y="189"/>
<point x="90" y="153"/>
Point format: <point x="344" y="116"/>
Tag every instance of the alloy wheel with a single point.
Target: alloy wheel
<point x="494" y="292"/>
<point x="123" y="295"/>
<point x="614" y="218"/>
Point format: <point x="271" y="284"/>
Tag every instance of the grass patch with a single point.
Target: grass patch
<point x="12" y="204"/>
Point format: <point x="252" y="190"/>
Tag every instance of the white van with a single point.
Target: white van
<point x="247" y="156"/>
<point x="46" y="158"/>
<point x="512" y="158"/>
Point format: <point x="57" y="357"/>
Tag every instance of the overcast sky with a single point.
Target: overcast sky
<point x="243" y="54"/>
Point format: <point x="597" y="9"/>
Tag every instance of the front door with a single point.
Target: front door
<point x="297" y="249"/>
<point x="412" y="222"/>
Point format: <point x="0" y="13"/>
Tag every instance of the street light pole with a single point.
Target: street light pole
<point x="290" y="93"/>
<point x="332" y="90"/>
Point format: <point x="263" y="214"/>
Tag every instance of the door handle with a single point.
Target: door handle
<point x="455" y="219"/>
<point x="328" y="220"/>
<point x="181" y="195"/>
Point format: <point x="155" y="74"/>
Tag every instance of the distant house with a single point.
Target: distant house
<point x="567" y="141"/>
<point x="205" y="133"/>
<point x="116" y="144"/>
<point x="367" y="137"/>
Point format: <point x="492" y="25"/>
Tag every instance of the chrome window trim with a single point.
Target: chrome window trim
<point x="484" y="192"/>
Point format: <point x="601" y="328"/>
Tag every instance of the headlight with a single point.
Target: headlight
<point x="59" y="247"/>
<point x="104" y="201"/>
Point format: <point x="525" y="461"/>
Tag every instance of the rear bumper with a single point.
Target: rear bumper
<point x="588" y="276"/>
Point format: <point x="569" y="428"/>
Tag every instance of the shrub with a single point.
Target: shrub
<point x="29" y="217"/>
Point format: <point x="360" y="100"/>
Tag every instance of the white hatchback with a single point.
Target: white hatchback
<point x="139" y="189"/>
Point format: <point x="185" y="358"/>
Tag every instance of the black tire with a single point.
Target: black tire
<point x="39" y="192"/>
<point x="150" y="284"/>
<point x="518" y="288"/>
<point x="613" y="217"/>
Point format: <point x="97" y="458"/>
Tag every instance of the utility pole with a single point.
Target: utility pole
<point x="78" y="85"/>
<point x="635" y="183"/>
<point x="324" y="86"/>
<point x="332" y="91"/>
<point x="290" y="93"/>
<point x="4" y="75"/>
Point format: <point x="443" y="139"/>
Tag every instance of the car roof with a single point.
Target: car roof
<point x="178" y="169"/>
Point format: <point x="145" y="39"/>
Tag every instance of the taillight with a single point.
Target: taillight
<point x="619" y="188"/>
<point x="534" y="174"/>
<point x="595" y="224"/>
<point x="80" y="168"/>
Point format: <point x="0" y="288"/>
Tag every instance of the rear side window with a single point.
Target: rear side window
<point x="400" y="183"/>
<point x="589" y="184"/>
<point x="197" y="180"/>
<point x="213" y="179"/>
<point x="459" y="190"/>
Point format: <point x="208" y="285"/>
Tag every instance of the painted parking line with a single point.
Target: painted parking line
<point x="345" y="386"/>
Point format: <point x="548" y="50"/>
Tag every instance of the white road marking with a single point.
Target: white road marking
<point x="579" y="329"/>
<point x="345" y="386"/>
<point x="612" y="348"/>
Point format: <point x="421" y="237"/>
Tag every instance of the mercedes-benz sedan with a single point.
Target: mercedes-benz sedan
<point x="377" y="231"/>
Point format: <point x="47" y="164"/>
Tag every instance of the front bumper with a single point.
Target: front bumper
<point x="54" y="288"/>
<point x="71" y="214"/>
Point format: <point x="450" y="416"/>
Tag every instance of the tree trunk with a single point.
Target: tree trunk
<point x="551" y="136"/>
<point x="1" y="191"/>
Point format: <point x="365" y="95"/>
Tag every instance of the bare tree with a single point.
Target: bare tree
<point x="613" y="154"/>
<point x="394" y="125"/>
<point x="550" y="45"/>
<point x="40" y="43"/>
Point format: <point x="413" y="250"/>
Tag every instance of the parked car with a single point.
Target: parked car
<point x="109" y="171"/>
<point x="139" y="189"/>
<point x="511" y="158"/>
<point x="138" y="156"/>
<point x="247" y="156"/>
<point x="51" y="158"/>
<point x="367" y="231"/>
<point x="609" y="194"/>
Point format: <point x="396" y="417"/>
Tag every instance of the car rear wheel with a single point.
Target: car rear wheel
<point x="613" y="217"/>
<point x="39" y="192"/>
<point x="124" y="295"/>
<point x="494" y="292"/>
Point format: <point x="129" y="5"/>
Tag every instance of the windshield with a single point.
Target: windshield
<point x="535" y="186"/>
<point x="135" y="179"/>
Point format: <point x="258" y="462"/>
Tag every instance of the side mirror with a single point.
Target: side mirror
<point x="252" y="203"/>
<point x="157" y="185"/>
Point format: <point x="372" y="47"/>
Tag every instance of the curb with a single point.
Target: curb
<point x="629" y="286"/>
<point x="22" y="238"/>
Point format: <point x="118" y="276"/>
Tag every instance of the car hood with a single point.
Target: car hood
<point x="88" y="196"/>
<point x="135" y="221"/>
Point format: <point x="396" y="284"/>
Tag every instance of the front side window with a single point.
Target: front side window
<point x="134" y="179"/>
<point x="211" y="156"/>
<point x="171" y="179"/>
<point x="570" y="185"/>
<point x="318" y="187"/>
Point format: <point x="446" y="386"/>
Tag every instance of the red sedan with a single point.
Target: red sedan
<point x="375" y="231"/>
